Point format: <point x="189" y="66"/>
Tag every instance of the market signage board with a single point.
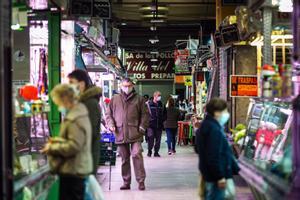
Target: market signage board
<point x="140" y="66"/>
<point x="243" y="86"/>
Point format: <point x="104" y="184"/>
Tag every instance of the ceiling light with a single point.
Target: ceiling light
<point x="123" y="23"/>
<point x="151" y="8"/>
<point x="157" y="21"/>
<point x="154" y="52"/>
<point x="154" y="40"/>
<point x="154" y="66"/>
<point x="153" y="60"/>
<point x="158" y="16"/>
<point x="153" y="28"/>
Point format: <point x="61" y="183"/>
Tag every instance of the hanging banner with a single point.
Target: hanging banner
<point x="243" y="86"/>
<point x="146" y="66"/>
<point x="181" y="61"/>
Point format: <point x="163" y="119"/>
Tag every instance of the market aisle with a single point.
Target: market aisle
<point x="168" y="178"/>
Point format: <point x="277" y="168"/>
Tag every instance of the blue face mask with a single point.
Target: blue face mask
<point x="224" y="118"/>
<point x="62" y="110"/>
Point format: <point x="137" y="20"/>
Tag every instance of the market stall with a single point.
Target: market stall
<point x="34" y="118"/>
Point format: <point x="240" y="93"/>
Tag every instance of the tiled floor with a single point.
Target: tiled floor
<point x="168" y="178"/>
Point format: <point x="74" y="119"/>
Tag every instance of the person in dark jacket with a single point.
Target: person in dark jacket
<point x="89" y="95"/>
<point x="216" y="160"/>
<point x="172" y="116"/>
<point x="154" y="131"/>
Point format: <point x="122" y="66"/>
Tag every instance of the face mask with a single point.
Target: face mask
<point x="62" y="110"/>
<point x="75" y="87"/>
<point x="158" y="98"/>
<point x="224" y="118"/>
<point x="127" y="90"/>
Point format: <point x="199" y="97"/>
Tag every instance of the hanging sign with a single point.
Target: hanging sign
<point x="181" y="61"/>
<point x="146" y="66"/>
<point x="188" y="81"/>
<point x="243" y="86"/>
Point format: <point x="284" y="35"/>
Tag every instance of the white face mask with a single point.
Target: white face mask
<point x="127" y="90"/>
<point x="224" y="118"/>
<point x="158" y="98"/>
<point x="62" y="110"/>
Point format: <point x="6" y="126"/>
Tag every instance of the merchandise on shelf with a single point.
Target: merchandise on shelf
<point x="277" y="81"/>
<point x="31" y="131"/>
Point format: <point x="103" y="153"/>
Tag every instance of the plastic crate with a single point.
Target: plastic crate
<point x="108" y="137"/>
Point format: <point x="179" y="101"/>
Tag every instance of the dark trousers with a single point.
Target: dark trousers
<point x="154" y="139"/>
<point x="71" y="188"/>
<point x="171" y="138"/>
<point x="136" y="151"/>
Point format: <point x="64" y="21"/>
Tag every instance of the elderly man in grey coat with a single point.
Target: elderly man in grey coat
<point x="127" y="116"/>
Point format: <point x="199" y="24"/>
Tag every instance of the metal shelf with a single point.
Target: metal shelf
<point x="31" y="179"/>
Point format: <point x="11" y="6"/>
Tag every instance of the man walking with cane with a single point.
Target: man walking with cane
<point x="127" y="116"/>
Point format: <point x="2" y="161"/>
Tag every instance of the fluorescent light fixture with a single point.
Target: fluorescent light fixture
<point x="150" y="16"/>
<point x="154" y="40"/>
<point x="259" y="40"/>
<point x="123" y="23"/>
<point x="154" y="60"/>
<point x="151" y="8"/>
<point x="154" y="52"/>
<point x="157" y="21"/>
<point x="285" y="6"/>
<point x="154" y="66"/>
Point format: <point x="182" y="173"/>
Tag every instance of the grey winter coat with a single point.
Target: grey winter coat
<point x="129" y="115"/>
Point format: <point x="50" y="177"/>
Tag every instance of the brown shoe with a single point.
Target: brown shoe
<point x="125" y="187"/>
<point x="142" y="186"/>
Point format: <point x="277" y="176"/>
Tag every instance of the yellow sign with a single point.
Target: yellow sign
<point x="188" y="80"/>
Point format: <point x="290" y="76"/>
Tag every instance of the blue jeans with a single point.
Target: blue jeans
<point x="212" y="192"/>
<point x="171" y="138"/>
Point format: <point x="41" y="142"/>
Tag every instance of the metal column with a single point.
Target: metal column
<point x="6" y="145"/>
<point x="54" y="27"/>
<point x="267" y="32"/>
<point x="295" y="192"/>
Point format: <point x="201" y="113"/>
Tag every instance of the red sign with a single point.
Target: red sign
<point x="243" y="86"/>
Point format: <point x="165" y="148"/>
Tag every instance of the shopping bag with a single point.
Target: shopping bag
<point x="93" y="190"/>
<point x="202" y="188"/>
<point x="230" y="190"/>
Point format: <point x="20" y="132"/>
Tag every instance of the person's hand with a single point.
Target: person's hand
<point x="113" y="129"/>
<point x="222" y="183"/>
<point x="46" y="148"/>
<point x="142" y="130"/>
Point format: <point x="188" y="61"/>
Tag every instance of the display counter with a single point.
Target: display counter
<point x="265" y="159"/>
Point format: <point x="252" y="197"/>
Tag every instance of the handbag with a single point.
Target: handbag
<point x="230" y="190"/>
<point x="201" y="190"/>
<point x="93" y="190"/>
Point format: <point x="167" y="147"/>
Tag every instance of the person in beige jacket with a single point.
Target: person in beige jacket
<point x="127" y="116"/>
<point x="70" y="153"/>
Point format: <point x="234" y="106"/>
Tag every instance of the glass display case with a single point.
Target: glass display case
<point x="266" y="152"/>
